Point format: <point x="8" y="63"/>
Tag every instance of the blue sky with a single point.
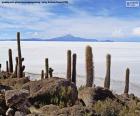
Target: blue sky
<point x="101" y="19"/>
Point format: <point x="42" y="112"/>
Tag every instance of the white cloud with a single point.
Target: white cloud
<point x="39" y="19"/>
<point x="136" y="31"/>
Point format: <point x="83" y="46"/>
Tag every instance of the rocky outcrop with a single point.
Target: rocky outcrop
<point x="17" y="99"/>
<point x="54" y="90"/>
<point x="76" y="110"/>
<point x="90" y="95"/>
<point x="3" y="106"/>
<point x="15" y="83"/>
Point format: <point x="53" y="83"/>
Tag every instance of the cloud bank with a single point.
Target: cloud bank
<point x="88" y="19"/>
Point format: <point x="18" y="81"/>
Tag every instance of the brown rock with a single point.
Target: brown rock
<point x="54" y="90"/>
<point x="90" y="95"/>
<point x="17" y="99"/>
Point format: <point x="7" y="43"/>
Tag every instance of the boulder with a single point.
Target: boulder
<point x="90" y="95"/>
<point x="54" y="90"/>
<point x="18" y="100"/>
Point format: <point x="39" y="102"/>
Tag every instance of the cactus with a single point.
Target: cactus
<point x="0" y="67"/>
<point x="46" y="68"/>
<point x="51" y="72"/>
<point x="74" y="68"/>
<point x="10" y="61"/>
<point x="42" y="74"/>
<point x="16" y="66"/>
<point x="108" y="68"/>
<point x="89" y="67"/>
<point x="126" y="90"/>
<point x="69" y="65"/>
<point x="7" y="66"/>
<point x="20" y="59"/>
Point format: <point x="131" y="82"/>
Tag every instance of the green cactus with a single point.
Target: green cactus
<point x="69" y="65"/>
<point x="0" y="67"/>
<point x="89" y="67"/>
<point x="7" y="66"/>
<point x="42" y="74"/>
<point x="46" y="67"/>
<point x="74" y="68"/>
<point x="126" y="89"/>
<point x="51" y="72"/>
<point x="19" y="69"/>
<point x="10" y="61"/>
<point x="108" y="69"/>
<point x="16" y="66"/>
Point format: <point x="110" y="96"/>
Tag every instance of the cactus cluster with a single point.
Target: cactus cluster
<point x="71" y="67"/>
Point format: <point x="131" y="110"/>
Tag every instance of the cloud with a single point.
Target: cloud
<point x="136" y="31"/>
<point x="42" y="21"/>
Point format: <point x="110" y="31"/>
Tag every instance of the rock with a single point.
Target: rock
<point x="54" y="90"/>
<point x="75" y="110"/>
<point x="3" y="107"/>
<point x="90" y="95"/>
<point x="4" y="75"/>
<point x="17" y="99"/>
<point x="4" y="88"/>
<point x="18" y="113"/>
<point x="15" y="83"/>
<point x="48" y="109"/>
<point x="10" y="112"/>
<point x="53" y="110"/>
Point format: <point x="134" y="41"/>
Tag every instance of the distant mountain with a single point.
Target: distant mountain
<point x="63" y="38"/>
<point x="72" y="38"/>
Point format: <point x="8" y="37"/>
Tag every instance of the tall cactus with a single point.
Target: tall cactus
<point x="74" y="68"/>
<point x="10" y="61"/>
<point x="7" y="66"/>
<point x="16" y="66"/>
<point x="89" y="67"/>
<point x="108" y="69"/>
<point x="126" y="90"/>
<point x="42" y="74"/>
<point x="46" y="67"/>
<point x="19" y="72"/>
<point x="69" y="65"/>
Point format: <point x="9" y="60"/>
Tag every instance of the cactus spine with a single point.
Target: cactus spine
<point x="89" y="67"/>
<point x="19" y="69"/>
<point x="69" y="65"/>
<point x="42" y="74"/>
<point x="7" y="66"/>
<point x="108" y="68"/>
<point x="74" y="68"/>
<point x="126" y="90"/>
<point x="46" y="68"/>
<point x="10" y="61"/>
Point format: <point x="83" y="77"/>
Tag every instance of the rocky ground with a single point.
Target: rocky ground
<point x="58" y="97"/>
